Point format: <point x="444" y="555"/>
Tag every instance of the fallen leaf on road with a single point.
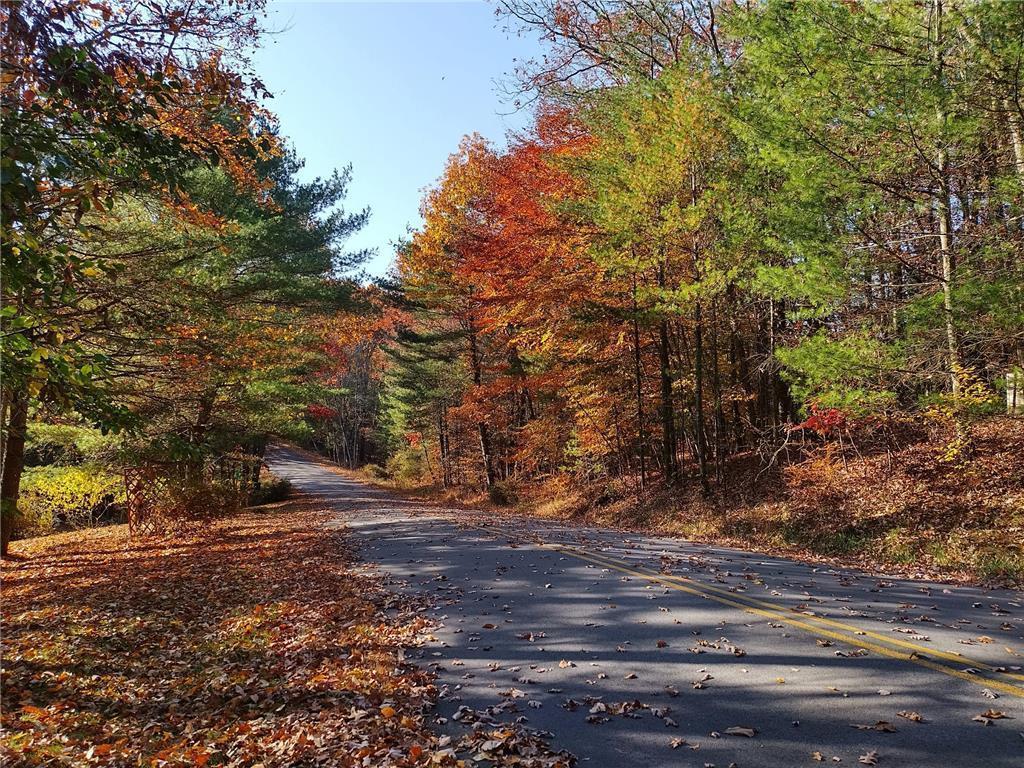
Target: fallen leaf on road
<point x="871" y="758"/>
<point x="531" y="636"/>
<point x="699" y="682"/>
<point x="739" y="730"/>
<point x="882" y="726"/>
<point x="817" y="756"/>
<point x="911" y="715"/>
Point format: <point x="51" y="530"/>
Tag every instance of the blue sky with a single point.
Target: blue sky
<point x="390" y="87"/>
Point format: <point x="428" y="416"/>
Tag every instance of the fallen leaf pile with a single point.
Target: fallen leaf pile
<point x="254" y="642"/>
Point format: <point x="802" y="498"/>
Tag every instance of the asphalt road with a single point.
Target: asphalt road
<point x="619" y="644"/>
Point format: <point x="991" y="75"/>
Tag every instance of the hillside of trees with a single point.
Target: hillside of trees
<point x="745" y="253"/>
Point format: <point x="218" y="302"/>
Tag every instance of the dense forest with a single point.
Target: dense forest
<point x="730" y="226"/>
<point x="735" y="238"/>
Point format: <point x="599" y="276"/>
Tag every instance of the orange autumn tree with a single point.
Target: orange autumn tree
<point x="502" y="264"/>
<point x="535" y="279"/>
<point x="436" y="274"/>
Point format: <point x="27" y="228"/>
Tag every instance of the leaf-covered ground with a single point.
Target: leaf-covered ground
<point x="254" y="642"/>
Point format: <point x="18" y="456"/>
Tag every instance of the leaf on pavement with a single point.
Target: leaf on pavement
<point x="882" y="726"/>
<point x="740" y="730"/>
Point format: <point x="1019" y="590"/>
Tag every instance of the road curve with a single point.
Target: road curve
<point x="645" y="651"/>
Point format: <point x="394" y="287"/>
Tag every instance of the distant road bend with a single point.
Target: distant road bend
<point x="804" y="663"/>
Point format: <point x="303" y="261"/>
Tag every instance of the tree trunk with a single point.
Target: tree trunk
<point x="1015" y="137"/>
<point x="698" y="373"/>
<point x="716" y="391"/>
<point x="485" y="438"/>
<point x="14" y="463"/>
<point x="638" y="377"/>
<point x="698" y="358"/>
<point x="784" y="404"/>
<point x="943" y="212"/>
<point x="442" y="444"/>
<point x="668" y="416"/>
<point x="734" y="384"/>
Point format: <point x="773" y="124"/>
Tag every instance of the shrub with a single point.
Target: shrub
<point x="66" y="445"/>
<point x="407" y="466"/>
<point x="57" y="497"/>
<point x="272" y="489"/>
<point x="502" y="493"/>
<point x="188" y="502"/>
<point x="375" y="472"/>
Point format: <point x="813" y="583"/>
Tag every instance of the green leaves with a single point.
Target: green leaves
<point x="854" y="373"/>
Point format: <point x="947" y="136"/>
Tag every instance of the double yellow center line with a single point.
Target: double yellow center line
<point x="973" y="671"/>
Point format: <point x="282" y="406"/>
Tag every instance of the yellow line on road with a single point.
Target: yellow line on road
<point x="985" y="676"/>
<point x="914" y="647"/>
